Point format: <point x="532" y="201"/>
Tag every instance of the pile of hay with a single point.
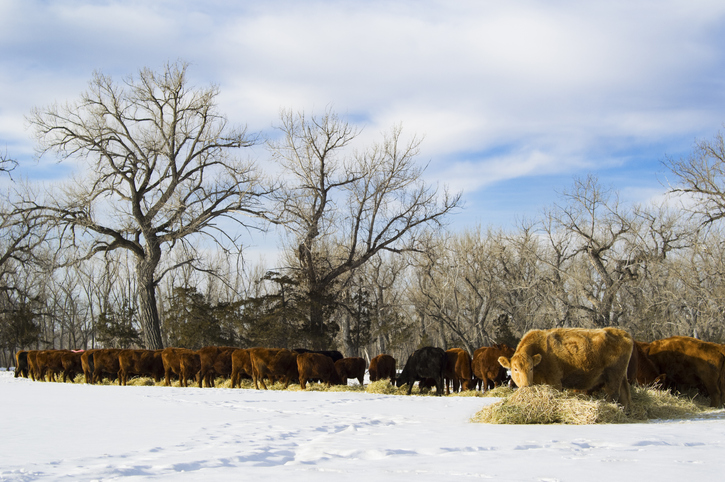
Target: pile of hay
<point x="543" y="404"/>
<point x="384" y="387"/>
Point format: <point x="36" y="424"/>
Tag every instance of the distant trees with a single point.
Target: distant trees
<point x="617" y="243"/>
<point x="159" y="171"/>
<point x="193" y="321"/>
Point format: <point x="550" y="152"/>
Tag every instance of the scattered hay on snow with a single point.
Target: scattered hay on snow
<point x="141" y="382"/>
<point x="499" y="392"/>
<point x="542" y="404"/>
<point x="384" y="387"/>
<point x="467" y="393"/>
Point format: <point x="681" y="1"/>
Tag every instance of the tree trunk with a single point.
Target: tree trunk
<point x="349" y="346"/>
<point x="317" y="323"/>
<point x="148" y="310"/>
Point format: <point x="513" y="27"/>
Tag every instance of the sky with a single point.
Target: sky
<point x="52" y="432"/>
<point x="514" y="100"/>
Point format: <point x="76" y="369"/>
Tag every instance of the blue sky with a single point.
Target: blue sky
<point x="514" y="99"/>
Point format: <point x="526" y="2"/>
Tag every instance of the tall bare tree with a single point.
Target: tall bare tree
<point x="159" y="170"/>
<point x="341" y="208"/>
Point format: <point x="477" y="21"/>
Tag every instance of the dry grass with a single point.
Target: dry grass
<point x="467" y="393"/>
<point x="499" y="392"/>
<point x="543" y="404"/>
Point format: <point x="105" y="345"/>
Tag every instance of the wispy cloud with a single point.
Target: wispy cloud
<point x="500" y="90"/>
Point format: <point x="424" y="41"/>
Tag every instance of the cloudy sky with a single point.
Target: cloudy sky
<point x="514" y="99"/>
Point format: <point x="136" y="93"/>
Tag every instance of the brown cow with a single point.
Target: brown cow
<point x="33" y="364"/>
<point x="142" y="363"/>
<point x="691" y="363"/>
<point x="190" y="366"/>
<point x="273" y="363"/>
<point x="216" y="361"/>
<point x="241" y="366"/>
<point x="105" y="362"/>
<point x="317" y="366"/>
<point x="353" y="367"/>
<point x="487" y="371"/>
<point x="49" y="364"/>
<point x="458" y="370"/>
<point x="71" y="363"/>
<point x="641" y="370"/>
<point x="381" y="367"/>
<point x="172" y="357"/>
<point x="574" y="358"/>
<point x="87" y="364"/>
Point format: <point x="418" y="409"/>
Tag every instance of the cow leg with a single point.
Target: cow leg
<point x="303" y="383"/>
<point x="261" y="381"/>
<point x="713" y="391"/>
<point x="439" y="387"/>
<point x="625" y="396"/>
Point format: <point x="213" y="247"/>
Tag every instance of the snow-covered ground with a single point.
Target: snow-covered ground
<point x="56" y="431"/>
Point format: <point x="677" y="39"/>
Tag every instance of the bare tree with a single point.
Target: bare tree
<point x="701" y="176"/>
<point x="617" y="243"/>
<point x="342" y="208"/>
<point x="159" y="170"/>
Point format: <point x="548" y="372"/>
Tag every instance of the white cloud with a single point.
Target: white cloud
<point x="499" y="90"/>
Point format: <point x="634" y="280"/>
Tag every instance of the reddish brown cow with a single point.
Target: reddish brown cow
<point x="458" y="370"/>
<point x="641" y="370"/>
<point x="487" y="371"/>
<point x="353" y="367"/>
<point x="216" y="361"/>
<point x="241" y="366"/>
<point x="105" y="363"/>
<point x="71" y="363"/>
<point x="87" y="364"/>
<point x="690" y="363"/>
<point x="272" y="363"/>
<point x="33" y="364"/>
<point x="189" y="365"/>
<point x="52" y="363"/>
<point x="316" y="366"/>
<point x="49" y="364"/>
<point x="381" y="367"/>
<point x="142" y="363"/>
<point x="172" y="357"/>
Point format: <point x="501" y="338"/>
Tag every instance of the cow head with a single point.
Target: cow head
<point x="522" y="368"/>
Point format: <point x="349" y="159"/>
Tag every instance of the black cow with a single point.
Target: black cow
<point x="21" y="364"/>
<point x="427" y="362"/>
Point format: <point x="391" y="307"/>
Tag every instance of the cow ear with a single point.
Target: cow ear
<point x="537" y="359"/>
<point x="504" y="362"/>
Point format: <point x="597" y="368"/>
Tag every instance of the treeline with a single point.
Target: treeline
<point x="145" y="249"/>
<point x="469" y="289"/>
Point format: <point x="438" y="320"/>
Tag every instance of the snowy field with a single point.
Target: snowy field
<point x="55" y="431"/>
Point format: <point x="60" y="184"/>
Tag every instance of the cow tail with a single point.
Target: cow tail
<point x="91" y="366"/>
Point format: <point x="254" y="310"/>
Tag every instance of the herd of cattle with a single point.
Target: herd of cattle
<point x="587" y="360"/>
